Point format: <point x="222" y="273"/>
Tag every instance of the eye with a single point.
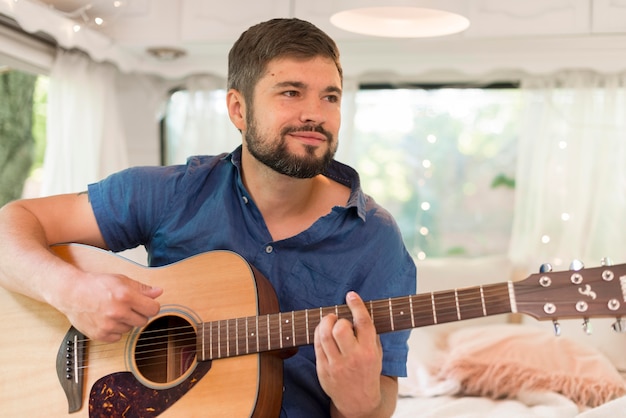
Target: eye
<point x="290" y="93"/>
<point x="333" y="98"/>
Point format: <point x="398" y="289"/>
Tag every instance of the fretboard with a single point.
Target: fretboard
<point x="277" y="331"/>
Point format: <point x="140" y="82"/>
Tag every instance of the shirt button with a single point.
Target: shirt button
<point x="269" y="249"/>
<point x="245" y="199"/>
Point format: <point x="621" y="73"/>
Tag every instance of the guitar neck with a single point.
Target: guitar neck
<point x="255" y="334"/>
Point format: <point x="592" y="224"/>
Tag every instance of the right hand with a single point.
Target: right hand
<point x="105" y="306"/>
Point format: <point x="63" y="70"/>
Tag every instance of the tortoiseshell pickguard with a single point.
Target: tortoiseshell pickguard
<point x="122" y="395"/>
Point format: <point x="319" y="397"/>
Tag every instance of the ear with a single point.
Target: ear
<point x="236" y="109"/>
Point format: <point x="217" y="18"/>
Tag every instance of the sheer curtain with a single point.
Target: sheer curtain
<point x="198" y="122"/>
<point x="85" y="139"/>
<point x="346" y="152"/>
<point x="571" y="171"/>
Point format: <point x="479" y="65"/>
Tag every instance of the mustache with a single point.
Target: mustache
<point x="308" y="128"/>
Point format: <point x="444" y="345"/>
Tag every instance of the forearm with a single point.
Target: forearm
<point x="386" y="404"/>
<point x="26" y="263"/>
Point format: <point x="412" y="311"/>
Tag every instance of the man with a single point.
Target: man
<point x="280" y="200"/>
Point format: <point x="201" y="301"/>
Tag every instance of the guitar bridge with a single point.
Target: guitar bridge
<point x="70" y="367"/>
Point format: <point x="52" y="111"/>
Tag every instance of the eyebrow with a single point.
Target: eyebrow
<point x="301" y="85"/>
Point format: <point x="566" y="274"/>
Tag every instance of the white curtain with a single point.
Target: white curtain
<point x="198" y="122"/>
<point x="346" y="152"/>
<point x="85" y="139"/>
<point x="571" y="171"/>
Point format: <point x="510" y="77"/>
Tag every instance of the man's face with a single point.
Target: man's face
<point x="294" y="119"/>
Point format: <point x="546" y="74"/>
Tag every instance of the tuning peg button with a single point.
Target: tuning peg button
<point x="587" y="326"/>
<point x="606" y="261"/>
<point x="545" y="268"/>
<point x="576" y="265"/>
<point x="557" y="328"/>
<point x="619" y="325"/>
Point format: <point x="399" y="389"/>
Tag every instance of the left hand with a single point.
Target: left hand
<point x="349" y="360"/>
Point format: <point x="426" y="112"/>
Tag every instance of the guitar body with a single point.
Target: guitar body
<point x="116" y="382"/>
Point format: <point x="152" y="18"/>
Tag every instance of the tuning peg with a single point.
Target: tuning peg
<point x="606" y="261"/>
<point x="557" y="328"/>
<point x="545" y="268"/>
<point x="587" y="326"/>
<point x="619" y="325"/>
<point x="576" y="265"/>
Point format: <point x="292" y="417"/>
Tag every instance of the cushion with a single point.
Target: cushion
<point x="500" y="361"/>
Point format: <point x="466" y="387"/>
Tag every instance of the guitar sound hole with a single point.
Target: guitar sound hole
<point x="165" y="349"/>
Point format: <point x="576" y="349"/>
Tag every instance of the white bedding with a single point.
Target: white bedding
<point x="526" y="405"/>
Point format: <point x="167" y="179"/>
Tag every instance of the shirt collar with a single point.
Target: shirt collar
<point x="336" y="171"/>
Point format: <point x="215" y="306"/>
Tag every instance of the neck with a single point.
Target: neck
<point x="288" y="205"/>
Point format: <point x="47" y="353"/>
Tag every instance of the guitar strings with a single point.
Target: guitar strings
<point x="448" y="306"/>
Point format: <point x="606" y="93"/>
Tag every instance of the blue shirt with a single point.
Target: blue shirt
<point x="180" y="211"/>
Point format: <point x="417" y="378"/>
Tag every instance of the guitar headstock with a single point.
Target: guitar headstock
<point x="585" y="293"/>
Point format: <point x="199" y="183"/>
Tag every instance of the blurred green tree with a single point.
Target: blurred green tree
<point x="17" y="145"/>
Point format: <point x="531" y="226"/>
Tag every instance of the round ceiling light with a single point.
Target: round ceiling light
<point x="400" y="22"/>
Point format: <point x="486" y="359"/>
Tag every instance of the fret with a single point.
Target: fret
<point x="411" y="311"/>
<point x="434" y="308"/>
<point x="261" y="337"/>
<point x="286" y="330"/>
<point x="445" y="307"/>
<point x="211" y="340"/>
<point x="236" y="336"/>
<point x="256" y="334"/>
<point x="423" y="310"/>
<point x="299" y="328"/>
<point x="391" y="323"/>
<point x="382" y="317"/>
<point x="306" y="320"/>
<point x="401" y="313"/>
<point x="203" y="343"/>
<point x="512" y="300"/>
<point x="219" y="339"/>
<point x="482" y="301"/>
<point x="470" y="303"/>
<point x="247" y="339"/>
<point x="269" y="332"/>
<point x="275" y="329"/>
<point x="228" y="338"/>
<point x="498" y="299"/>
<point x="242" y="335"/>
<point x="293" y="328"/>
<point x="280" y="330"/>
<point x="456" y="301"/>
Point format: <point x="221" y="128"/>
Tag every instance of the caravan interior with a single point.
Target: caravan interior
<point x="497" y="149"/>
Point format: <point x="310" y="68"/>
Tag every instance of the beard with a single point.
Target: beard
<point x="276" y="155"/>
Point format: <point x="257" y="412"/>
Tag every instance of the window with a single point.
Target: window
<point x="23" y="97"/>
<point x="442" y="161"/>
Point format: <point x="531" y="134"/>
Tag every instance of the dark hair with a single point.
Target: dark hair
<point x="276" y="38"/>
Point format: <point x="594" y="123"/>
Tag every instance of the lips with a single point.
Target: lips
<point x="309" y="137"/>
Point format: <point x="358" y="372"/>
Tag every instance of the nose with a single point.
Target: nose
<point x="312" y="110"/>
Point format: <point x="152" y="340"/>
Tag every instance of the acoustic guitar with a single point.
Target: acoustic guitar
<point x="214" y="349"/>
